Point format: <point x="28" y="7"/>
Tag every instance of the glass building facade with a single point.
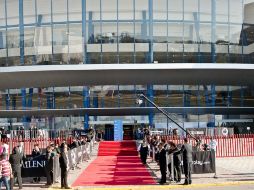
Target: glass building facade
<point x="57" y="32"/>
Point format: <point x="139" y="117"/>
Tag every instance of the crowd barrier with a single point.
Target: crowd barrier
<point x="202" y="162"/>
<point x="227" y="146"/>
<point x="75" y="157"/>
<point x="35" y="167"/>
<point x="28" y="144"/>
<point x="40" y="133"/>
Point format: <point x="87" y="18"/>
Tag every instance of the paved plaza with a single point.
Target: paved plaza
<point x="233" y="174"/>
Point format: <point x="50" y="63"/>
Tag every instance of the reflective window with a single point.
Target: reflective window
<point x="160" y="10"/>
<point x="191" y="10"/>
<point x="125" y="9"/>
<point x="2" y="13"/>
<point x="94" y="7"/>
<point x="109" y="9"/>
<point x="75" y="34"/>
<point x="43" y="36"/>
<point x="60" y="35"/>
<point x="29" y="11"/>
<point x="160" y="32"/>
<point x="44" y="9"/>
<point x="75" y="10"/>
<point x="206" y="10"/>
<point x="13" y="38"/>
<point x="141" y="10"/>
<point x="182" y="31"/>
<point x="222" y="10"/>
<point x="237" y="11"/>
<point x="175" y="10"/>
<point x="2" y="39"/>
<point x="59" y="8"/>
<point x="12" y="12"/>
<point x="29" y="36"/>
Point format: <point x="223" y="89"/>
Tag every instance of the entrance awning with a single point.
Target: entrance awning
<point x="126" y="74"/>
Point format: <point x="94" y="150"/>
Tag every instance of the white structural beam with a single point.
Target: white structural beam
<point x="126" y="74"/>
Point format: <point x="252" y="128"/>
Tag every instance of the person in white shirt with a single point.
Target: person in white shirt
<point x="213" y="144"/>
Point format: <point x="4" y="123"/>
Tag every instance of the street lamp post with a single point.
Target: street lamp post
<point x="164" y="112"/>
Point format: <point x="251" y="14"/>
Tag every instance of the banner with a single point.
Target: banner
<point x="203" y="162"/>
<point x="118" y="130"/>
<point x="34" y="167"/>
<point x="72" y="156"/>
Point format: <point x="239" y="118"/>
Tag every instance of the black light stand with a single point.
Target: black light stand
<point x="164" y="112"/>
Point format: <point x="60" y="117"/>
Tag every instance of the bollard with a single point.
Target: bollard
<point x="153" y="156"/>
<point x="215" y="173"/>
<point x="91" y="147"/>
<point x="172" y="167"/>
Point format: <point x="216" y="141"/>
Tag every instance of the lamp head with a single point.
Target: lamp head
<point x="139" y="101"/>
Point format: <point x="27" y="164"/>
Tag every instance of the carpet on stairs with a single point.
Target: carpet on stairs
<point x="117" y="164"/>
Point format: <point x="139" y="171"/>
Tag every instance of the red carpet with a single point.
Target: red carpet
<point x="124" y="148"/>
<point x="117" y="164"/>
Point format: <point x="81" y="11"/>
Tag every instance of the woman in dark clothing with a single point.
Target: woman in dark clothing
<point x="143" y="150"/>
<point x="63" y="161"/>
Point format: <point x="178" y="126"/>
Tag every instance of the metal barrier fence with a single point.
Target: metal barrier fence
<point x="28" y="144"/>
<point x="227" y="146"/>
<point x="75" y="157"/>
<point x="40" y="133"/>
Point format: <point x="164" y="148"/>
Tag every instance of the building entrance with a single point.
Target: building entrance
<point x="128" y="132"/>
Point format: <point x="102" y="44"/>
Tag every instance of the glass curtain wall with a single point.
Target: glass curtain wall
<point x="118" y="31"/>
<point x="127" y="31"/>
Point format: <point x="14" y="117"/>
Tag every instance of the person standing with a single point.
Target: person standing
<point x="49" y="166"/>
<point x="35" y="153"/>
<point x="6" y="171"/>
<point x="74" y="144"/>
<point x="143" y="150"/>
<point x="162" y="163"/>
<point x="16" y="161"/>
<point x="187" y="161"/>
<point x="63" y="161"/>
<point x="213" y="144"/>
<point x="5" y="148"/>
<point x="176" y="162"/>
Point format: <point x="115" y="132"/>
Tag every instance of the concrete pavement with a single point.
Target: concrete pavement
<point x="237" y="169"/>
<point x="233" y="174"/>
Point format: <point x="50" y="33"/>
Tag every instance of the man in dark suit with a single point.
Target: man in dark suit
<point x="63" y="161"/>
<point x="49" y="166"/>
<point x="35" y="153"/>
<point x="162" y="163"/>
<point x="74" y="144"/>
<point x="176" y="161"/>
<point x="15" y="161"/>
<point x="187" y="161"/>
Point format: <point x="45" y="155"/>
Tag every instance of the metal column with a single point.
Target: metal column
<point x="86" y="104"/>
<point x="86" y="99"/>
<point x="213" y="54"/>
<point x="22" y="51"/>
<point x="150" y="92"/>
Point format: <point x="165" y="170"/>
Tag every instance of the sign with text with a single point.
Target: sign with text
<point x="34" y="167"/>
<point x="118" y="130"/>
<point x="203" y="162"/>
